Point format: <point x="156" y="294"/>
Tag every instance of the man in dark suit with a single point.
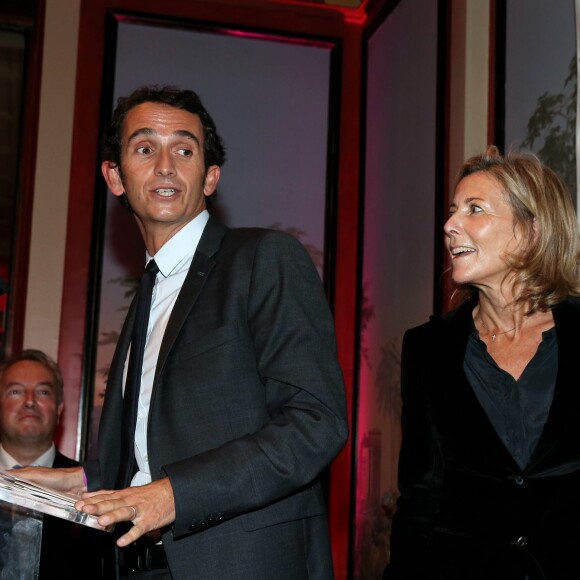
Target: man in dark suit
<point x="241" y="401"/>
<point x="31" y="403"/>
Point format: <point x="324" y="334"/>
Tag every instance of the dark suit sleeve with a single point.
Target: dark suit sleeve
<point x="420" y="467"/>
<point x="303" y="395"/>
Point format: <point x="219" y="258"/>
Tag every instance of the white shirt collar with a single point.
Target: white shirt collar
<point x="180" y="245"/>
<point x="45" y="460"/>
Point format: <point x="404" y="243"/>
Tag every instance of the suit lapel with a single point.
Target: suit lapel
<point x="463" y="409"/>
<point x="109" y="427"/>
<point x="460" y="397"/>
<point x="110" y="423"/>
<point x="566" y="400"/>
<point x="197" y="275"/>
<point x="115" y="381"/>
<point x="451" y="346"/>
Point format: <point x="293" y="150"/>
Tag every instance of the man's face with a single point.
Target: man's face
<point x="29" y="409"/>
<point x="162" y="168"/>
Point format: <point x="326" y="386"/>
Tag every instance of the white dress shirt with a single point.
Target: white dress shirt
<point x="173" y="261"/>
<point x="45" y="460"/>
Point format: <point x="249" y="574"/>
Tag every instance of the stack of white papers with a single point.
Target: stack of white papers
<point x="42" y="499"/>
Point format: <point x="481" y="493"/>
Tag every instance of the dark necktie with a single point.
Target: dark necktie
<point x="134" y="371"/>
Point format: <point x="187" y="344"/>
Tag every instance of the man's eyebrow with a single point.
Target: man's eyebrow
<point x="12" y="384"/>
<point x="40" y="384"/>
<point x="139" y="133"/>
<point x="186" y="135"/>
<point x="148" y="131"/>
<point x="46" y="384"/>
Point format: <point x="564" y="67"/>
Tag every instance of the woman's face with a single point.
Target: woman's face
<point x="480" y="232"/>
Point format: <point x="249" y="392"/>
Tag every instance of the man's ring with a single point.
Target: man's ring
<point x="134" y="510"/>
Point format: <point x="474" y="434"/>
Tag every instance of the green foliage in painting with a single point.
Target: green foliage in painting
<point x="552" y="128"/>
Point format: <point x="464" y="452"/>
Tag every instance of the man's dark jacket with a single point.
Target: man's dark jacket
<point x="247" y="410"/>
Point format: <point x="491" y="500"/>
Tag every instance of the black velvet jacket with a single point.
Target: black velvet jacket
<point x="466" y="510"/>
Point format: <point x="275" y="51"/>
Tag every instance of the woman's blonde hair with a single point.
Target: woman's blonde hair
<point x="546" y="270"/>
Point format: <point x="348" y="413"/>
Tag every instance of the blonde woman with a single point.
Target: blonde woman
<point x="489" y="471"/>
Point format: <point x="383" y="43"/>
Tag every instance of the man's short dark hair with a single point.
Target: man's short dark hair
<point x="213" y="148"/>
<point x="42" y="358"/>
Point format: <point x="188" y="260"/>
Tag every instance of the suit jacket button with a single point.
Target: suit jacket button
<point x="519" y="480"/>
<point x="521" y="543"/>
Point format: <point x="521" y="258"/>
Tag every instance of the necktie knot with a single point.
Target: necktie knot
<point x="152" y="267"/>
<point x="146" y="287"/>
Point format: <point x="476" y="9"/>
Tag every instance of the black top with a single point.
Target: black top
<point x="517" y="410"/>
<point x="466" y="509"/>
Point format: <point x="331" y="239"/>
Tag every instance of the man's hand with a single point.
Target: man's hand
<point x="65" y="479"/>
<point x="149" y="507"/>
